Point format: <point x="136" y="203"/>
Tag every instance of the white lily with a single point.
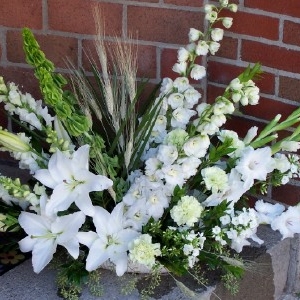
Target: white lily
<point x="111" y="240"/>
<point x="71" y="181"/>
<point x="46" y="232"/>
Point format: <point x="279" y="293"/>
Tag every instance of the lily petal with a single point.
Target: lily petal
<point x="97" y="255"/>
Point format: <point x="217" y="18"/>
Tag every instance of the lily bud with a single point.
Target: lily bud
<point x="12" y="142"/>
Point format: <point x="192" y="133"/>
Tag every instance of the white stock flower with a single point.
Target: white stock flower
<point x="281" y="162"/>
<point x="217" y="34"/>
<point x="288" y="223"/>
<point x="227" y="22"/>
<point x="215" y="179"/>
<point x="45" y="233"/>
<point x="143" y="251"/>
<point x="198" y="72"/>
<point x="187" y="211"/>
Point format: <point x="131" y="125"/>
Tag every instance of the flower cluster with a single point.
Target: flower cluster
<point x="163" y="189"/>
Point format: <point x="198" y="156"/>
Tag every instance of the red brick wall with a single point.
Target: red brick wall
<point x="267" y="31"/>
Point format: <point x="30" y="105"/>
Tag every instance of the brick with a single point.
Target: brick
<point x="289" y="88"/>
<point x="291" y="33"/>
<point x="22" y="13"/>
<point x="254" y="25"/>
<point x="196" y="3"/>
<point x="162" y="25"/>
<point x="288" y="194"/>
<point x="24" y="78"/>
<point x="267" y="109"/>
<point x="224" y="73"/>
<point x="146" y="59"/>
<point x="291" y="7"/>
<point x="271" y="56"/>
<point x="228" y="48"/>
<point x="77" y="16"/>
<point x="56" y="48"/>
<point x="168" y="59"/>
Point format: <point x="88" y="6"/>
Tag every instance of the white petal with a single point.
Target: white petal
<point x="42" y="254"/>
<point x="72" y="245"/>
<point x="97" y="255"/>
<point x="87" y="238"/>
<point x="121" y="262"/>
<point x="33" y="224"/>
<point x="27" y="244"/>
<point x="84" y="203"/>
<point x="44" y="176"/>
<point x="80" y="158"/>
<point x="101" y="219"/>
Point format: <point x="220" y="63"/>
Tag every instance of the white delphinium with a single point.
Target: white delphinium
<point x="166" y="86"/>
<point x="143" y="251"/>
<point x="176" y="137"/>
<point x="214" y="47"/>
<point x="255" y="164"/>
<point x="192" y="97"/>
<point x="181" y="84"/>
<point x="198" y="72"/>
<point x="227" y="22"/>
<point x="157" y="201"/>
<point x="218" y="235"/>
<point x="194" y="34"/>
<point x="187" y="211"/>
<point x="206" y="127"/>
<point x="251" y="91"/>
<point x="215" y="179"/>
<point x="197" y="146"/>
<point x="266" y="212"/>
<point x="167" y="154"/>
<point x="110" y="241"/>
<point x="202" y="48"/>
<point x="189" y="166"/>
<point x="182" y="54"/>
<point x="288" y="223"/>
<point x="181" y="116"/>
<point x="153" y="168"/>
<point x="173" y="175"/>
<point x="180" y="68"/>
<point x="217" y="34"/>
<point x="218" y="120"/>
<point x="175" y="100"/>
<point x="136" y="215"/>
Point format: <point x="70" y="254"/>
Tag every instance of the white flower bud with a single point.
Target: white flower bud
<point x="182" y="54"/>
<point x="194" y="34"/>
<point x="227" y="22"/>
<point x="198" y="72"/>
<point x="232" y="7"/>
<point x="202" y="48"/>
<point x="214" y="47"/>
<point x="217" y="34"/>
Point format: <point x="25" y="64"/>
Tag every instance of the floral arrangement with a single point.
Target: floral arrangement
<point x="165" y="188"/>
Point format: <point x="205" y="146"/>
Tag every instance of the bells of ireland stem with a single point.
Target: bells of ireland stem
<point x="12" y="142"/>
<point x="77" y="124"/>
